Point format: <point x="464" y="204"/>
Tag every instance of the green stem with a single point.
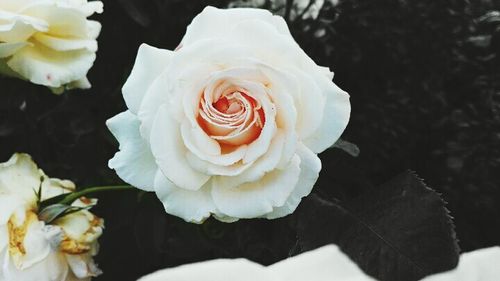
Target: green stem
<point x="91" y="190"/>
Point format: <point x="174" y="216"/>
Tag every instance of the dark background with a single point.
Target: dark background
<point x="424" y="80"/>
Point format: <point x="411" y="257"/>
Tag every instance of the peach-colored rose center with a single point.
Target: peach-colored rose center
<point x="234" y="119"/>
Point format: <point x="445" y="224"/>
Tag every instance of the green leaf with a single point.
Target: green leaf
<point x="53" y="212"/>
<point x="400" y="231"/>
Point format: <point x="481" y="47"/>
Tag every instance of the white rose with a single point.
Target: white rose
<point x="324" y="264"/>
<point x="229" y="124"/>
<point x="30" y="249"/>
<point x="49" y="42"/>
<point x="478" y="265"/>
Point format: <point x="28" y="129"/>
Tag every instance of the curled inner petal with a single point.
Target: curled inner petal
<point x="230" y="115"/>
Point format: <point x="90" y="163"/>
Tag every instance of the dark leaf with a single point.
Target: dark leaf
<point x="400" y="231"/>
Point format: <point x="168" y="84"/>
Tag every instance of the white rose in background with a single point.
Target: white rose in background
<point x="229" y="124"/>
<point x="323" y="264"/>
<point x="32" y="250"/>
<point x="479" y="265"/>
<point x="49" y="42"/>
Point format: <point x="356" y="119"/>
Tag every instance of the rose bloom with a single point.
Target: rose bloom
<point x="49" y="42"/>
<point x="32" y="250"/>
<point x="323" y="264"/>
<point x="229" y="124"/>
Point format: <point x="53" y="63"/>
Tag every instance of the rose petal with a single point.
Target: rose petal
<point x="4" y="239"/>
<point x="211" y="169"/>
<point x="259" y="168"/>
<point x="66" y="44"/>
<point x="479" y="265"/>
<point x="255" y="199"/>
<point x="134" y="163"/>
<point x="64" y="21"/>
<point x="8" y="49"/>
<point x="170" y="152"/>
<point x="150" y="62"/>
<point x="192" y="206"/>
<point x="215" y="270"/>
<point x="34" y="247"/>
<point x="45" y="66"/>
<point x="311" y="102"/>
<point x="213" y="23"/>
<point x="52" y="267"/>
<point x="16" y="28"/>
<point x="336" y="116"/>
<point x="310" y="166"/>
<point x="82" y="266"/>
<point x="20" y="176"/>
<point x="324" y="264"/>
<point x="52" y="187"/>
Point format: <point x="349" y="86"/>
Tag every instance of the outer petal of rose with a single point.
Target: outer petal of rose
<point x="66" y="44"/>
<point x="79" y="227"/>
<point x="134" y="163"/>
<point x="82" y="266"/>
<point x="8" y="49"/>
<point x="18" y="28"/>
<point x="150" y="62"/>
<point x="52" y="187"/>
<point x="213" y="23"/>
<point x="4" y="239"/>
<point x="256" y="199"/>
<point x="323" y="264"/>
<point x="259" y="168"/>
<point x="47" y="67"/>
<point x="8" y="205"/>
<point x="64" y="21"/>
<point x="52" y="267"/>
<point x="211" y="169"/>
<point x="479" y="265"/>
<point x="93" y="29"/>
<point x="86" y="7"/>
<point x="310" y="165"/>
<point x="20" y="176"/>
<point x="192" y="206"/>
<point x="170" y="87"/>
<point x="311" y="102"/>
<point x="35" y="245"/>
<point x="170" y="152"/>
<point x="336" y="116"/>
<point x="215" y="270"/>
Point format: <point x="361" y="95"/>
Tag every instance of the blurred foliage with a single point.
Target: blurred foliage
<point x="424" y="79"/>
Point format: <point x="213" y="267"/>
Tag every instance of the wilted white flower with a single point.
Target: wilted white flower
<point x="230" y="123"/>
<point x="31" y="249"/>
<point x="49" y="42"/>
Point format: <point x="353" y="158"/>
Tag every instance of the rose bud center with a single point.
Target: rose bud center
<point x="233" y="118"/>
